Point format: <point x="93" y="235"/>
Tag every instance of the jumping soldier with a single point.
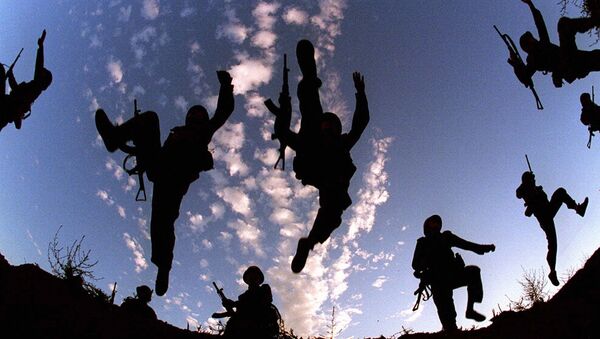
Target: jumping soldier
<point x="436" y="265"/>
<point x="537" y="204"/>
<point x="14" y="106"/>
<point x="138" y="304"/>
<point x="172" y="167"/>
<point x="322" y="152"/>
<point x="566" y="61"/>
<point x="255" y="316"/>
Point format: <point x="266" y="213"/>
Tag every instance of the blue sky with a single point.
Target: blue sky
<point x="449" y="128"/>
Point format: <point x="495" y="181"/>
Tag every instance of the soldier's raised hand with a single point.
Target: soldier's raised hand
<point x="224" y="77"/>
<point x="42" y="38"/>
<point x="359" y="82"/>
<point x="485" y="249"/>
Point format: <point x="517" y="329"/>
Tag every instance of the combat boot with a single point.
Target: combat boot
<point x="108" y="132"/>
<point x="580" y="209"/>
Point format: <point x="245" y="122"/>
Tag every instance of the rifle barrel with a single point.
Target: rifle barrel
<point x="528" y="164"/>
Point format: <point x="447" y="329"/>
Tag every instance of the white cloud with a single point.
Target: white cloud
<point x="378" y="283"/>
<point x="264" y="13"/>
<point x="33" y="242"/>
<point x="121" y="211"/>
<point x="181" y="103"/>
<point x="217" y="210"/>
<point x="249" y="236"/>
<point x="233" y="29"/>
<point x="295" y="16"/>
<point x="254" y="105"/>
<point x="329" y="22"/>
<point x="140" y="39"/>
<point x="124" y="14"/>
<point x="237" y="199"/>
<point x="104" y="196"/>
<point x="373" y="194"/>
<point x="230" y="136"/>
<point x="187" y="11"/>
<point x="150" y="9"/>
<point x="249" y="73"/>
<point x="197" y="221"/>
<point x="138" y="252"/>
<point x="115" y="69"/>
<point x="264" y="39"/>
<point x="207" y="244"/>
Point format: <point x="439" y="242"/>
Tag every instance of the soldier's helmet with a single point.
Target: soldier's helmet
<point x="253" y="276"/>
<point x="527" y="177"/>
<point x="432" y="225"/>
<point x="144" y="293"/>
<point x="585" y="99"/>
<point x="196" y="115"/>
<point x="331" y="124"/>
<point x="45" y="79"/>
<point x="527" y="41"/>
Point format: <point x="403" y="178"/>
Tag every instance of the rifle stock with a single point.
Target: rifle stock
<point x="518" y="66"/>
<point x="229" y="310"/>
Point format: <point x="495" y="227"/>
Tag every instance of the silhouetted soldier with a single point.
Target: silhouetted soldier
<point x="138" y="304"/>
<point x="322" y="152"/>
<point x="590" y="113"/>
<point x="172" y="167"/>
<point x="436" y="264"/>
<point x="566" y="61"/>
<point x="537" y="204"/>
<point x="255" y="316"/>
<point x="22" y="95"/>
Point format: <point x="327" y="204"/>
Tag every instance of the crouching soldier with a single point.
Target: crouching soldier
<point x="172" y="167"/>
<point x="254" y="316"/>
<point x="138" y="304"/>
<point x="436" y="265"/>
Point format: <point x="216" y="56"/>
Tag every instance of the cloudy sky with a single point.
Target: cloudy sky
<point x="449" y="128"/>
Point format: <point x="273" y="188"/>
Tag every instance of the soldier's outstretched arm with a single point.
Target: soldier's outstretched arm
<point x="39" y="59"/>
<point x="12" y="82"/>
<point x="459" y="242"/>
<point x="225" y="103"/>
<point x="538" y="19"/>
<point x="361" y="113"/>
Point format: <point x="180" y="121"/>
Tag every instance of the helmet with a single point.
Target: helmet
<point x="432" y="225"/>
<point x="253" y="275"/>
<point x="526" y="40"/>
<point x="144" y="292"/>
<point x="585" y="99"/>
<point x="45" y="78"/>
<point x="527" y="176"/>
<point x="331" y="122"/>
<point x="196" y="115"/>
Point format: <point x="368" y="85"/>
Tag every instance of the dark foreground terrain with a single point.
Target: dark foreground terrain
<point x="36" y="304"/>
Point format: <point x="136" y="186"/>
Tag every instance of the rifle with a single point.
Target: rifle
<point x="422" y="293"/>
<point x="112" y="295"/>
<point x="135" y="170"/>
<point x="14" y="62"/>
<point x="229" y="310"/>
<point x="518" y="65"/>
<point x="284" y="107"/>
<point x="528" y="164"/>
<point x="528" y="209"/>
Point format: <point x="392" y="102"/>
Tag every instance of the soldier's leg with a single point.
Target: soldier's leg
<point x="569" y="27"/>
<point x="166" y="201"/>
<point x="308" y="88"/>
<point x="550" y="231"/>
<point x="2" y="80"/>
<point x="442" y="298"/>
<point x="143" y="130"/>
<point x="560" y="197"/>
<point x="472" y="279"/>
